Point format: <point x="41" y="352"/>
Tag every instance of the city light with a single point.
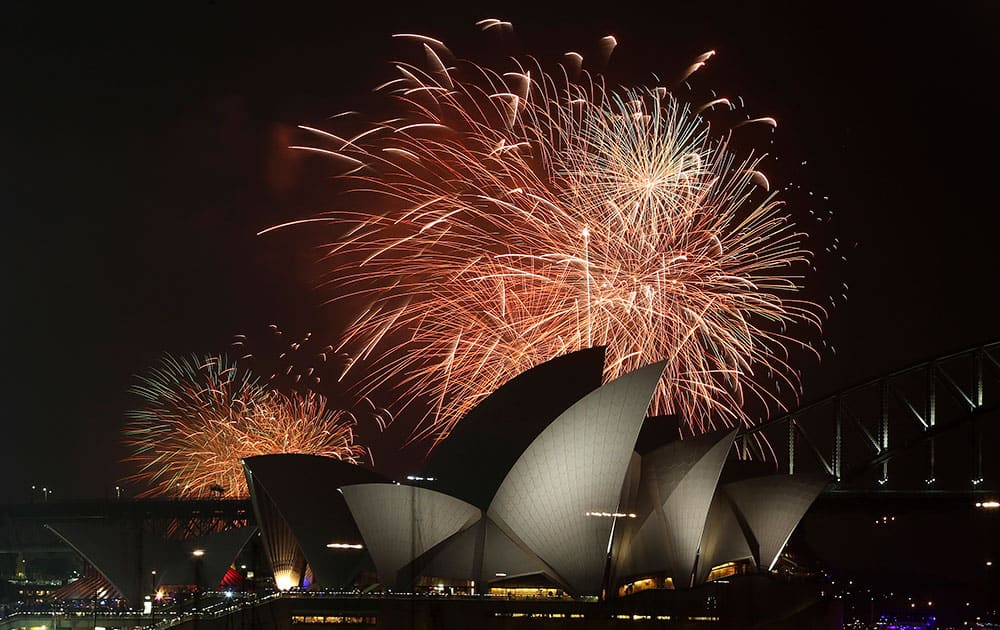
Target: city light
<point x="988" y="505"/>
<point x="283" y="580"/>
<point x="197" y="553"/>
<point x="612" y="514"/>
<point x="344" y="546"/>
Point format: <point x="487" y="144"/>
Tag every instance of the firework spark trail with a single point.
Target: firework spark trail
<point x="201" y="415"/>
<point x="303" y="363"/>
<point x="291" y="362"/>
<point x="504" y="219"/>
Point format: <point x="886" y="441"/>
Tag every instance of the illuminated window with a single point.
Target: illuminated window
<point x="646" y="584"/>
<point x="336" y="620"/>
<point x="722" y="571"/>
<point x="525" y="592"/>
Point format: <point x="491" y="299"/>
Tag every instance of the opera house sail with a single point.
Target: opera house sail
<point x="563" y="495"/>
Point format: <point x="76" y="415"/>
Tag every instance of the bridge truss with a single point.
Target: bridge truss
<point x="933" y="427"/>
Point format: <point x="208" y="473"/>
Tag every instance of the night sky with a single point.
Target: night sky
<point x="144" y="148"/>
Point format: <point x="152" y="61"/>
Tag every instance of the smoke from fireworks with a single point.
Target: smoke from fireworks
<point x="201" y="415"/>
<point x="504" y="218"/>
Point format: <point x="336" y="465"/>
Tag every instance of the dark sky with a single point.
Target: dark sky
<point x="144" y="148"/>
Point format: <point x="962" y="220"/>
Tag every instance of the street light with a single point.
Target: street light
<point x="197" y="554"/>
<point x="157" y="596"/>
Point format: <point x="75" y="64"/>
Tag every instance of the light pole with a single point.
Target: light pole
<point x="197" y="554"/>
<point x="156" y="598"/>
<point x="45" y="492"/>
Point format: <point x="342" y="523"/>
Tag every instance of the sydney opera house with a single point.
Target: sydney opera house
<point x="555" y="482"/>
<point x="556" y="485"/>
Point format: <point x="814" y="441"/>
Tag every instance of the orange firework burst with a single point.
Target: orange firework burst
<point x="201" y="415"/>
<point x="502" y="219"/>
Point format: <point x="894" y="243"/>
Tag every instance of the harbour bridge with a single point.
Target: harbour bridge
<point x="22" y="526"/>
<point x="928" y="429"/>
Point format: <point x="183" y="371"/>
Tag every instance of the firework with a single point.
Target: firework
<point x="504" y="218"/>
<point x="201" y="415"/>
<point x="304" y="363"/>
<point x="289" y="362"/>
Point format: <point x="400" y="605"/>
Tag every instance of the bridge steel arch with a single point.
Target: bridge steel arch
<point x="933" y="427"/>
